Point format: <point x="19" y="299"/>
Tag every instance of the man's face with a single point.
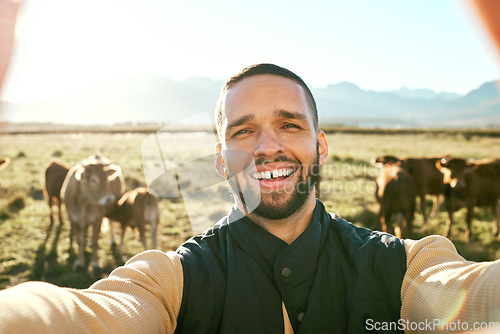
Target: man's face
<point x="268" y="121"/>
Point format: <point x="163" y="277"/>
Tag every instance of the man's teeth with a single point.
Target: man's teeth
<point x="268" y="174"/>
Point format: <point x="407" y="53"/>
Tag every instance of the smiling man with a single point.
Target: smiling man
<point x="278" y="262"/>
<point x="287" y="263"/>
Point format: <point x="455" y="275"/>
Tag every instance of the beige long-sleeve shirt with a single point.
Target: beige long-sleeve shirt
<point x="441" y="292"/>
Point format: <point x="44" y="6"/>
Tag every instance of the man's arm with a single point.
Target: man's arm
<point x="144" y="296"/>
<point x="441" y="287"/>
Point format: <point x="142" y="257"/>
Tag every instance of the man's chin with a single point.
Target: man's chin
<point x="276" y="207"/>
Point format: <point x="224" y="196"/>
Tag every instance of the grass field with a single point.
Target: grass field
<point x="32" y="249"/>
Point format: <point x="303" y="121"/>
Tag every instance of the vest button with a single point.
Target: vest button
<point x="300" y="316"/>
<point x="286" y="272"/>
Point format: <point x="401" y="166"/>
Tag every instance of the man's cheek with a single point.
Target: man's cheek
<point x="238" y="162"/>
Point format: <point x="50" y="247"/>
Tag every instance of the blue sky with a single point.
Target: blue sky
<point x="64" y="46"/>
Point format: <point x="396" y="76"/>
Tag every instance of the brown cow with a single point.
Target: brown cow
<point x="55" y="173"/>
<point x="87" y="194"/>
<point x="470" y="184"/>
<point x="428" y="179"/>
<point x="396" y="193"/>
<point x="137" y="208"/>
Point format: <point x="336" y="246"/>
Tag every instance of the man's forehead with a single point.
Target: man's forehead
<point x="264" y="90"/>
<point x="265" y="82"/>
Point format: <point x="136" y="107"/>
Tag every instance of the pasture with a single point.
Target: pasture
<point x="32" y="249"/>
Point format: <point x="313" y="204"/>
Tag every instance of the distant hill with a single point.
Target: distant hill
<point x="423" y="94"/>
<point x="155" y="99"/>
<point x="346" y="103"/>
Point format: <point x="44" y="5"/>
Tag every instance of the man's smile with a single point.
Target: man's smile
<point x="281" y="173"/>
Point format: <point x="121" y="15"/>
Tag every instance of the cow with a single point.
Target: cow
<point x="396" y="193"/>
<point x="55" y="173"/>
<point x="428" y="179"/>
<point x="136" y="209"/>
<point x="87" y="194"/>
<point x="470" y="184"/>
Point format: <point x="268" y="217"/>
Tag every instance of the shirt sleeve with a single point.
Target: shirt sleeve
<point x="143" y="296"/>
<point x="442" y="292"/>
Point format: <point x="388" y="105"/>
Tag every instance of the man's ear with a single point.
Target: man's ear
<point x="219" y="160"/>
<point x="322" y="147"/>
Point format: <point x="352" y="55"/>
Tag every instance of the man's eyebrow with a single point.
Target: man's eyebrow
<point x="240" y="121"/>
<point x="289" y="114"/>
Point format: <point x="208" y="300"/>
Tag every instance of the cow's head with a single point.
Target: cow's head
<point x="95" y="179"/>
<point x="384" y="159"/>
<point x="454" y="171"/>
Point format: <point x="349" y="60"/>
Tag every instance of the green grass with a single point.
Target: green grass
<point x="32" y="249"/>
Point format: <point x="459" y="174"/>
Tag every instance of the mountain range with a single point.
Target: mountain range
<point x="155" y="99"/>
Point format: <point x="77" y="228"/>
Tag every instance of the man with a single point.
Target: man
<point x="285" y="265"/>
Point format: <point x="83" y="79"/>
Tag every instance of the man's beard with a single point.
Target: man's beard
<point x="273" y="208"/>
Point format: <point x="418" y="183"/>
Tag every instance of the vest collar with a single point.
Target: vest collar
<point x="291" y="267"/>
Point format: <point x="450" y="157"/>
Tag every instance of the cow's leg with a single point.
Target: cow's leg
<point x="449" y="219"/>
<point x="449" y="222"/>
<point x="49" y="201"/>
<point x="470" y="212"/>
<point x="496" y="209"/>
<point x="142" y="233"/>
<point x="96" y="230"/>
<point x="436" y="203"/>
<point x="387" y="221"/>
<point x="422" y="206"/>
<point x="400" y="225"/>
<point x="112" y="233"/>
<point x="59" y="211"/>
<point x="154" y="233"/>
<point x="409" y="216"/>
<point x="79" y="232"/>
<point x="122" y="237"/>
<point x="381" y="220"/>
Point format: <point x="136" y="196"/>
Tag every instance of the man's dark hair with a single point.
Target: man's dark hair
<point x="264" y="69"/>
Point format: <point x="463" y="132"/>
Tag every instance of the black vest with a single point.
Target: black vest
<point x="334" y="278"/>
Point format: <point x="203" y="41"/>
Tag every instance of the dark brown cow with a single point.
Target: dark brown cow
<point x="396" y="193"/>
<point x="470" y="184"/>
<point x="55" y="173"/>
<point x="136" y="209"/>
<point x="87" y="194"/>
<point x="428" y="179"/>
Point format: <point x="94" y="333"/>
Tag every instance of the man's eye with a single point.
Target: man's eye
<point x="291" y="126"/>
<point x="241" y="132"/>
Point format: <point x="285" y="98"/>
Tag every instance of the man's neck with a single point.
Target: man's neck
<point x="290" y="228"/>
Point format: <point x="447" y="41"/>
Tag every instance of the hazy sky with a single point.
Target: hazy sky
<point x="67" y="45"/>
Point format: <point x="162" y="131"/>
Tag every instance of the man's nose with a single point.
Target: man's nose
<point x="268" y="143"/>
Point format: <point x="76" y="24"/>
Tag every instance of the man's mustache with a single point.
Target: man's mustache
<point x="279" y="158"/>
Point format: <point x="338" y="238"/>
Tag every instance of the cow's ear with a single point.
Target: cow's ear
<point x="79" y="173"/>
<point x="377" y="162"/>
<point x="112" y="171"/>
<point x="4" y="162"/>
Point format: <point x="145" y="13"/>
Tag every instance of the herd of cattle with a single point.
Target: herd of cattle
<point x="92" y="190"/>
<point x="464" y="183"/>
